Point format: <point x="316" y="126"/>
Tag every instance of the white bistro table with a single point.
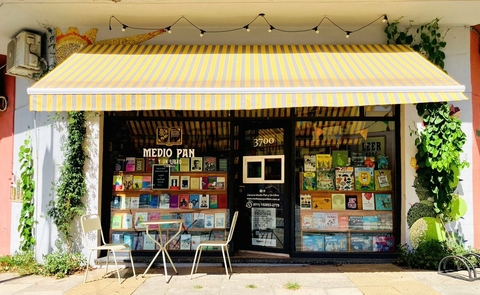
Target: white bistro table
<point x="162" y="248"/>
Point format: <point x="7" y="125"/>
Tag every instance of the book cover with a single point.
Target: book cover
<point x="195" y="201"/>
<point x="222" y="201"/>
<point x="220" y="183"/>
<point x="128" y="239"/>
<point x="195" y="183"/>
<point x="309" y="182"/>
<point x="368" y="201"/>
<point x="385" y="221"/>
<point x="139" y="218"/>
<point x="344" y="179"/>
<point x="309" y="163"/>
<point x="212" y="182"/>
<point x="319" y="220"/>
<point x="184" y="164"/>
<point x="209" y="221"/>
<point x="209" y="163"/>
<point x="383" y="202"/>
<point x="127" y="220"/>
<point x="138" y="242"/>
<point x="147" y="182"/>
<point x="204" y="182"/>
<point x="148" y="243"/>
<point x="119" y="165"/>
<point x="307" y="221"/>
<point x="305" y="201"/>
<point x="117" y="238"/>
<point x="213" y="202"/>
<point x="188" y="220"/>
<point x="184" y="182"/>
<point x="220" y="220"/>
<point x="149" y="162"/>
<point x="195" y="240"/>
<point x="154" y="201"/>
<point x="153" y="216"/>
<point x="383" y="243"/>
<point x="343" y="222"/>
<point x="370" y="222"/>
<point x="355" y="222"/>
<point x="364" y="180"/>
<point x="198" y="220"/>
<point x="331" y="220"/>
<point x="351" y="202"/>
<point x="139" y="164"/>
<point x="183" y="201"/>
<point x="174" y="203"/>
<point x="166" y="217"/>
<point x="124" y="202"/>
<point x="361" y="243"/>
<point x="144" y="201"/>
<point x="174" y="182"/>
<point x="115" y="203"/>
<point x="383" y="180"/>
<point x="323" y="202"/>
<point x="338" y="202"/>
<point x="128" y="182"/>
<point x="117" y="183"/>
<point x="116" y="221"/>
<point x="130" y="164"/>
<point x="162" y="160"/>
<point x="222" y="164"/>
<point x="134" y="202"/>
<point x="204" y="201"/>
<point x="326" y="180"/>
<point x="323" y="161"/>
<point x="336" y="243"/>
<point x="137" y="182"/>
<point x="340" y="158"/>
<point x="164" y="201"/>
<point x="196" y="164"/>
<point x="185" y="240"/>
<point x="313" y="242"/>
<point x="175" y="243"/>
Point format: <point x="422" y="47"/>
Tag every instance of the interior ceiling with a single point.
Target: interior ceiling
<point x="18" y="15"/>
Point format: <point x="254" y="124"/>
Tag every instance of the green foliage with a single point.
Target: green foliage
<point x="61" y="264"/>
<point x="439" y="147"/>
<point x="71" y="186"/>
<point x="430" y="42"/>
<point x="21" y="262"/>
<point x="292" y="286"/>
<point x="419" y="210"/>
<point x="27" y="218"/>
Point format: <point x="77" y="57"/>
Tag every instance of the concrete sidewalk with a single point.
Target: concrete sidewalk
<point x="248" y="279"/>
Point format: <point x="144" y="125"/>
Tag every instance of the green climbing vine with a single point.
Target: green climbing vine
<point x="71" y="185"/>
<point x="27" y="218"/>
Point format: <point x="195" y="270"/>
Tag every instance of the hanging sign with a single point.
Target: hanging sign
<point x="169" y="136"/>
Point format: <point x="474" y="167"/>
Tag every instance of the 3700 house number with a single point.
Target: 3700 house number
<point x="258" y="142"/>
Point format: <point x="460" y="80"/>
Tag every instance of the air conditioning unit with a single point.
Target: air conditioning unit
<point x="23" y="55"/>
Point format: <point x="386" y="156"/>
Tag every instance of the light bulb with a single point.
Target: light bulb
<point x="248" y="29"/>
<point x="317" y="31"/>
<point x="269" y="30"/>
<point x="124" y="28"/>
<point x="201" y="33"/>
<point x="348" y="35"/>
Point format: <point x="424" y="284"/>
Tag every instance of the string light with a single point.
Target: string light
<point x="246" y="27"/>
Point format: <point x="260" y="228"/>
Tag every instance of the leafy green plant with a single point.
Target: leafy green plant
<point x="27" y="218"/>
<point x="71" y="186"/>
<point x="251" y="286"/>
<point x="419" y="210"/>
<point x="21" y="262"/>
<point x="292" y="286"/>
<point x="197" y="287"/>
<point x="61" y="264"/>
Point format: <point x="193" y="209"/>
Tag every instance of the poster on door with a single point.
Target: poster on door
<point x="263" y="226"/>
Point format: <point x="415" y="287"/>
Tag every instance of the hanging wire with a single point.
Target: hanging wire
<point x="247" y="26"/>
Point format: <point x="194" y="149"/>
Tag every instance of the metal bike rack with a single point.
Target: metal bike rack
<point x="461" y="263"/>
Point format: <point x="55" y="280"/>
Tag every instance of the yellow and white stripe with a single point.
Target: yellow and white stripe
<point x="240" y="77"/>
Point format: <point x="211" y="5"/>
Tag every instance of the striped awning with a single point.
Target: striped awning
<point x="240" y="77"/>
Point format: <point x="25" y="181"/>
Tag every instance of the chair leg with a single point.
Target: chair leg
<point x="198" y="261"/>
<point x="194" y="260"/>
<point x="228" y="257"/>
<point x="106" y="265"/>
<point x="88" y="266"/>
<point x="133" y="265"/>
<point x="224" y="260"/>
<point x="116" y="266"/>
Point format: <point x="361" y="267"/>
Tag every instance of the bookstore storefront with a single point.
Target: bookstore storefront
<point x="303" y="141"/>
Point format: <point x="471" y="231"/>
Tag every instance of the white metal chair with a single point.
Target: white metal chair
<point x="91" y="224"/>
<point x="222" y="244"/>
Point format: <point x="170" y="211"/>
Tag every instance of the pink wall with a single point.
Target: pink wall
<point x="6" y="150"/>
<point x="475" y="74"/>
